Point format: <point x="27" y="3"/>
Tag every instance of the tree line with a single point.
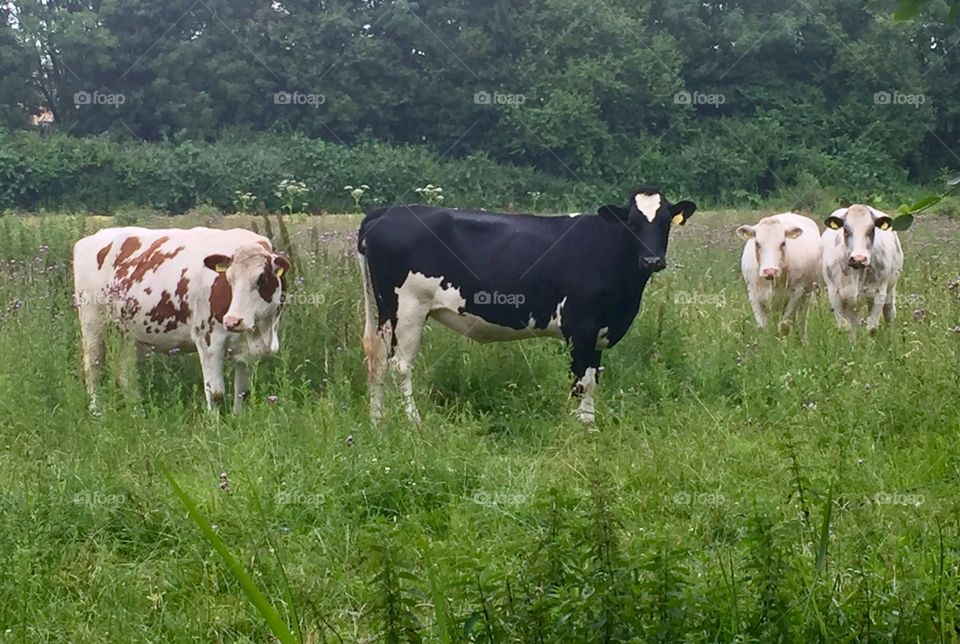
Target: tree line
<point x="732" y="98"/>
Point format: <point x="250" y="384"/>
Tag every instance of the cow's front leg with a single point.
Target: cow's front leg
<point x="876" y="310"/>
<point x="890" y="305"/>
<point x="241" y="385"/>
<point x="586" y="369"/>
<point x="844" y="310"/>
<point x="211" y="363"/>
<point x="759" y="302"/>
<point x="794" y="304"/>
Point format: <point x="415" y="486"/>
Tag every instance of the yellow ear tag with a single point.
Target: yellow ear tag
<point x="885" y="225"/>
<point x="834" y="225"/>
<point x="678" y="219"/>
<point x="280" y="272"/>
<point x="222" y="268"/>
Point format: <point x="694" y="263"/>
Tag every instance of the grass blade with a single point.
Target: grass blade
<point x="270" y="614"/>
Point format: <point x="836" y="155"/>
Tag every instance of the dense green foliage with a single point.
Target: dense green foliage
<point x="741" y="487"/>
<point x="98" y="174"/>
<point x="721" y="100"/>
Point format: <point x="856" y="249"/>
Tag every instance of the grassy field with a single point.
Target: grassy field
<point x="741" y="487"/>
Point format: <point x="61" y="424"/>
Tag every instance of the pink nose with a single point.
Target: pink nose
<point x="233" y="323"/>
<point x="858" y="260"/>
<point x="768" y="273"/>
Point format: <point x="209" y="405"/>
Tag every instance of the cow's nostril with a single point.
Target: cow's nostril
<point x="233" y="323"/>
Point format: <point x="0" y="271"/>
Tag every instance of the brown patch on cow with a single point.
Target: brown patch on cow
<point x="220" y="297"/>
<point x="131" y="270"/>
<point x="268" y="282"/>
<point x="167" y="311"/>
<point x="173" y="313"/>
<point x="102" y="255"/>
<point x="148" y="290"/>
<point x="128" y="248"/>
<point x="182" y="285"/>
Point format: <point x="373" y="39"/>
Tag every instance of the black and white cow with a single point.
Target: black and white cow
<point x="493" y="277"/>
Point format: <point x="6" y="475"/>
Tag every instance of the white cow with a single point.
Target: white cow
<point x="780" y="265"/>
<point x="862" y="261"/>
<point x="212" y="291"/>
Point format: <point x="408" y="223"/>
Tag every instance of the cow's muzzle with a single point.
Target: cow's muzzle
<point x="653" y="264"/>
<point x="859" y="261"/>
<point x="235" y="324"/>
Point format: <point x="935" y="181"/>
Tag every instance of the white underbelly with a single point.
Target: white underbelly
<point x="476" y="328"/>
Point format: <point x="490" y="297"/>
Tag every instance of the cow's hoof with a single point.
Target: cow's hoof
<point x="873" y="330"/>
<point x="586" y="417"/>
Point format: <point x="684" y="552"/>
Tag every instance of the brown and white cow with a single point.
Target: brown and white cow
<point x="213" y="291"/>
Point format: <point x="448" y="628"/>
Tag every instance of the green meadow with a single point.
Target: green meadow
<point x="739" y="486"/>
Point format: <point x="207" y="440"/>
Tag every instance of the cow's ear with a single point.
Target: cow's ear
<point x="682" y="211"/>
<point x="794" y="232"/>
<point x="883" y="223"/>
<point x="834" y="223"/>
<point x="281" y="265"/>
<point x="746" y="232"/>
<point x="613" y="212"/>
<point x="219" y="263"/>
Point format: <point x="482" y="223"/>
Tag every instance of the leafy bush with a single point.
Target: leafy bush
<point x="737" y="163"/>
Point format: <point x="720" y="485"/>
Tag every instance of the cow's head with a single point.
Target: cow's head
<point x="648" y="216"/>
<point x="860" y="225"/>
<point x="256" y="278"/>
<point x="770" y="243"/>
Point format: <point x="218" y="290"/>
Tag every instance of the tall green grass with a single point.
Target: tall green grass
<point x="741" y="487"/>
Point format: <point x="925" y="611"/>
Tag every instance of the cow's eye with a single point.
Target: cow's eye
<point x="783" y="244"/>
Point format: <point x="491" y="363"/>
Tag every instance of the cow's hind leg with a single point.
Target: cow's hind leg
<point x="377" y="341"/>
<point x="586" y="370"/>
<point x="93" y="343"/>
<point x="410" y="320"/>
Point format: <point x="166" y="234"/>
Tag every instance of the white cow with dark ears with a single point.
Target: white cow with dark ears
<point x="861" y="263"/>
